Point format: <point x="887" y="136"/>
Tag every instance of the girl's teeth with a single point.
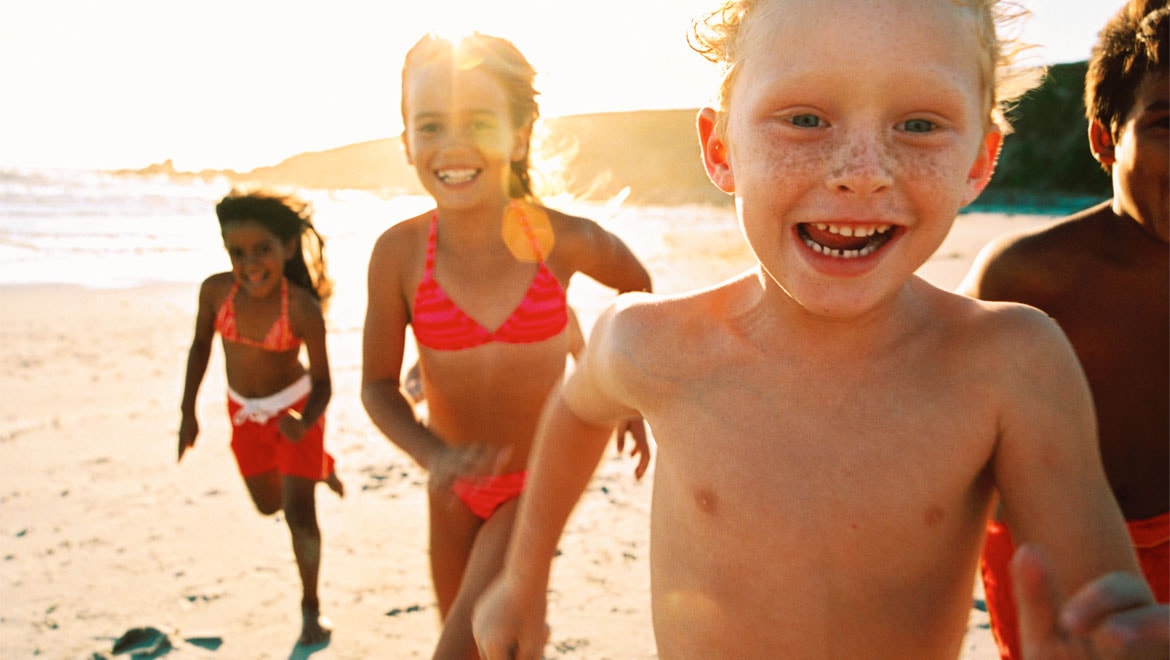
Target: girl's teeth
<point x="456" y="176"/>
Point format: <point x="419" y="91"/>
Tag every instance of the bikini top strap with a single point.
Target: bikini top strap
<point x="431" y="240"/>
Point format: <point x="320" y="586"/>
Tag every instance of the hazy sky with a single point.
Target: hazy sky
<point x="244" y="83"/>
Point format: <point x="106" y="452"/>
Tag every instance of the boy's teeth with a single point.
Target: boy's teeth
<point x="872" y="237"/>
<point x="851" y="230"/>
<point x="456" y="176"/>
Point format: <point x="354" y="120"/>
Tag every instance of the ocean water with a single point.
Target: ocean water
<point x="104" y="231"/>
<point x="101" y="230"/>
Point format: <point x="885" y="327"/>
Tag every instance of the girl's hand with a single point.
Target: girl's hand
<point x="1110" y="617"/>
<point x="292" y="426"/>
<point x="636" y="428"/>
<point x="188" y="431"/>
<point x="453" y="462"/>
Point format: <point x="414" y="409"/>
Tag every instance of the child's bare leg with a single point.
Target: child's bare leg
<point x="300" y="512"/>
<point x="267" y="491"/>
<point x="483" y="565"/>
<point x="452" y="532"/>
<point x="335" y="484"/>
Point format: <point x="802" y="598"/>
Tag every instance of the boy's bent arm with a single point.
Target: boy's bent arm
<point x="509" y="618"/>
<point x="1047" y="466"/>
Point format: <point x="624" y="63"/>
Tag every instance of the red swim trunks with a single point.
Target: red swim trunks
<point x="483" y="495"/>
<point x="1151" y="539"/>
<point x="258" y="445"/>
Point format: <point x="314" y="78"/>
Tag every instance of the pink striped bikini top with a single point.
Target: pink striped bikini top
<point x="279" y="338"/>
<point x="440" y="324"/>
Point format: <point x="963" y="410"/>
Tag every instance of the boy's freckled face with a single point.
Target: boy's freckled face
<point x="1141" y="183"/>
<point x="855" y="133"/>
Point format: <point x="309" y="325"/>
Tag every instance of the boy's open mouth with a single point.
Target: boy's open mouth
<point x="845" y="241"/>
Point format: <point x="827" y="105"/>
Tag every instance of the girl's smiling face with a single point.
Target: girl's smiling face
<point x="257" y="255"/>
<point x="459" y="134"/>
<point x="855" y="132"/>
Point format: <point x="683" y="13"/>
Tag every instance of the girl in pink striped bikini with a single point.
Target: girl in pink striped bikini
<point x="481" y="281"/>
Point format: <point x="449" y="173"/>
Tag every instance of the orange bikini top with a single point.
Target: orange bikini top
<point x="440" y="324"/>
<point x="279" y="338"/>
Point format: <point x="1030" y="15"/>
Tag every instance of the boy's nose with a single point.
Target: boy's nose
<point x="861" y="166"/>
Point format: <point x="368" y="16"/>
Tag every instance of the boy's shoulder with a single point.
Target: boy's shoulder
<point x="994" y="327"/>
<point x="1061" y="240"/>
<point x="1020" y="265"/>
<point x="675" y="319"/>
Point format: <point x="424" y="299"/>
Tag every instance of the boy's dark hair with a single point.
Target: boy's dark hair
<point x="289" y="218"/>
<point x="1132" y="44"/>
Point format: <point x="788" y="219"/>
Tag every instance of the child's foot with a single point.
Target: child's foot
<point x="315" y="629"/>
<point x="335" y="484"/>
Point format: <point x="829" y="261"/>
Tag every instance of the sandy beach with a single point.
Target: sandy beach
<point x="101" y="531"/>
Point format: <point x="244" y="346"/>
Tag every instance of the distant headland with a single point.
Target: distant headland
<point x="655" y="154"/>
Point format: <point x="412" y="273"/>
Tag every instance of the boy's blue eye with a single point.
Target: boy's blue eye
<point x="807" y="121"/>
<point x="918" y="126"/>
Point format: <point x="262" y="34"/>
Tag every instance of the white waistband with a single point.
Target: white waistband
<point x="265" y="408"/>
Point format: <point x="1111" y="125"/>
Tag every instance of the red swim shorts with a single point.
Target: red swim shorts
<point x="259" y="447"/>
<point x="1151" y="540"/>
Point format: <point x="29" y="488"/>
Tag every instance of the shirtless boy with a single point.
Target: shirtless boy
<point x="831" y="428"/>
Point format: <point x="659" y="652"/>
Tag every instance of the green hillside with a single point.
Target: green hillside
<point x="1047" y="156"/>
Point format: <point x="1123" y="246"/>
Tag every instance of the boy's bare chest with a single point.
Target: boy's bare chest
<point x="895" y="442"/>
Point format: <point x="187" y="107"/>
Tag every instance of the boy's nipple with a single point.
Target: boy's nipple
<point x="706" y="500"/>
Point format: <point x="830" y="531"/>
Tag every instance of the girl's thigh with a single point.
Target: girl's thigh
<point x="453" y="530"/>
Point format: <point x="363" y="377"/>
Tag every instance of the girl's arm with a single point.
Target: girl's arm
<point x="383" y="342"/>
<point x="197" y="359"/>
<point x="607" y="259"/>
<point x="309" y="323"/>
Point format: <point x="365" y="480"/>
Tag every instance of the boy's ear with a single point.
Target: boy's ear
<point x="715" y="157"/>
<point x="1101" y="144"/>
<point x="984" y="165"/>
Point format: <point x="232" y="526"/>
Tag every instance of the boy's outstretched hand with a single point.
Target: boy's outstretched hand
<point x="1111" y="617"/>
<point x="508" y="626"/>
